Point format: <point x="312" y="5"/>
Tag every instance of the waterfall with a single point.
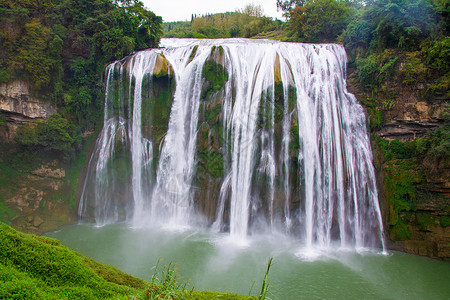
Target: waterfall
<point x="244" y="136"/>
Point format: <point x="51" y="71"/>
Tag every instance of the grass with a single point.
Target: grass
<point x="265" y="284"/>
<point x="35" y="267"/>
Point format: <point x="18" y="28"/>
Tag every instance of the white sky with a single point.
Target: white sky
<point x="181" y="10"/>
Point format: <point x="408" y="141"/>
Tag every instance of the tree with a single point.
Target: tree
<point x="319" y="20"/>
<point x="30" y="57"/>
<point x="288" y="5"/>
<point x="392" y="24"/>
<point x="252" y="10"/>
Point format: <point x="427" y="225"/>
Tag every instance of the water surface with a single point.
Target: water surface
<point x="212" y="261"/>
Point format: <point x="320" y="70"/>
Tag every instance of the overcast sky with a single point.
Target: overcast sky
<point x="181" y="10"/>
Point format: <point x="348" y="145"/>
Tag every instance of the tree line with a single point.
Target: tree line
<point x="246" y="22"/>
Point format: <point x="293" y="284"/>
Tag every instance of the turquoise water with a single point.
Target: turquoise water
<point x="210" y="261"/>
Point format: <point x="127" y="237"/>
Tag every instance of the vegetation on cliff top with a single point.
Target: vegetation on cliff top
<point x="246" y="22"/>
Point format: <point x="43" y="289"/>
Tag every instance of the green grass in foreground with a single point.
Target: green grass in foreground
<point x="35" y="267"/>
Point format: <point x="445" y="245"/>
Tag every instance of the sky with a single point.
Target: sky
<point x="181" y="10"/>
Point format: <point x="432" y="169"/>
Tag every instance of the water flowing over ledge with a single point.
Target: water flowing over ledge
<point x="243" y="136"/>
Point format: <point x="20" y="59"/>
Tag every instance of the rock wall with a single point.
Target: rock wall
<point x="409" y="113"/>
<point x="35" y="192"/>
<point x="15" y="97"/>
<point x="19" y="106"/>
<point x="38" y="199"/>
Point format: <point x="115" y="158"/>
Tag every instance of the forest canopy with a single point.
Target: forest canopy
<point x="62" y="47"/>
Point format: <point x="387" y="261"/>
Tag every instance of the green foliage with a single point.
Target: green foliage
<point x="388" y="104"/>
<point x="212" y="115"/>
<point x="54" y="135"/>
<point x="194" y="51"/>
<point x="376" y="68"/>
<point x="444" y="221"/>
<point x="374" y="112"/>
<point x="435" y="146"/>
<point x="292" y="98"/>
<point x="5" y="76"/>
<point x="216" y="76"/>
<point x="400" y="232"/>
<point x="114" y="43"/>
<point x="424" y="220"/>
<point x="246" y="22"/>
<point x="33" y="267"/>
<point x="403" y="192"/>
<point x="319" y="20"/>
<point x="165" y="283"/>
<point x="414" y="69"/>
<point x="294" y="144"/>
<point x="265" y="284"/>
<point x="287" y="5"/>
<point x="27" y="135"/>
<point x="441" y="86"/>
<point x="358" y="34"/>
<point x="34" y="34"/>
<point x="2" y="120"/>
<point x="438" y="53"/>
<point x="403" y="23"/>
<point x="402" y="174"/>
<point x="402" y="149"/>
<point x="439" y="144"/>
<point x="211" y="162"/>
<point x="376" y="118"/>
<point x="392" y="24"/>
<point x="31" y="57"/>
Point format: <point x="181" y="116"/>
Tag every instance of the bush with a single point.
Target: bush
<point x="401" y="149"/>
<point x="437" y="55"/>
<point x="376" y="68"/>
<point x="319" y="20"/>
<point x="54" y="135"/>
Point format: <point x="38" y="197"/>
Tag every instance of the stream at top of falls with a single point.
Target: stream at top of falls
<point x="211" y="261"/>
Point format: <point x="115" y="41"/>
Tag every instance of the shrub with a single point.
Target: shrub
<point x="402" y="149"/>
<point x="376" y="68"/>
<point x="437" y="55"/>
<point x="55" y="135"/>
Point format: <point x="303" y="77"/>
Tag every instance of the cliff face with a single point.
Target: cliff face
<point x="414" y="190"/>
<point x="35" y="189"/>
<point x="37" y="200"/>
<point x="19" y="107"/>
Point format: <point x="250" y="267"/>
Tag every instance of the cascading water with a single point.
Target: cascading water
<point x="251" y="135"/>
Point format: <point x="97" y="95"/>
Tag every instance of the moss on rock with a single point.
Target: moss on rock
<point x="215" y="77"/>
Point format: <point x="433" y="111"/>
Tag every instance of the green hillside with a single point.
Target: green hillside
<point x="36" y="267"/>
